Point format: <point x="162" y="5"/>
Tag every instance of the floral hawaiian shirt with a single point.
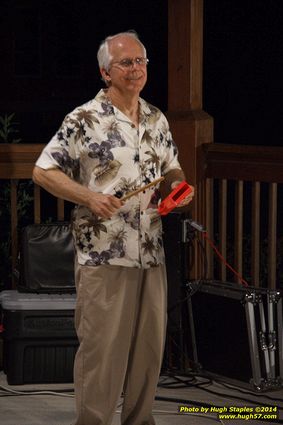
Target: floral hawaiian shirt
<point x="99" y="147"/>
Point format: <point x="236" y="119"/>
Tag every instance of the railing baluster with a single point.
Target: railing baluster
<point x="238" y="260"/>
<point x="200" y="200"/>
<point x="37" y="204"/>
<point x="209" y="202"/>
<point x="14" y="227"/>
<point x="60" y="209"/>
<point x="200" y="216"/>
<point x="272" y="230"/>
<point x="223" y="225"/>
<point x="255" y="218"/>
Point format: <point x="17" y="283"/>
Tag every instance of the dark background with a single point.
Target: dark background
<point x="48" y="53"/>
<point x="243" y="70"/>
<point x="48" y="62"/>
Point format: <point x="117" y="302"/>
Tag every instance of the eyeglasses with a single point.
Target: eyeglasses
<point x="129" y="63"/>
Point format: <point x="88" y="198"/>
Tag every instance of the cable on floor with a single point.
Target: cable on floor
<point x="195" y="403"/>
<point x="61" y="393"/>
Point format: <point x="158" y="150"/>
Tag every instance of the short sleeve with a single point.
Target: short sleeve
<point x="170" y="154"/>
<point x="63" y="149"/>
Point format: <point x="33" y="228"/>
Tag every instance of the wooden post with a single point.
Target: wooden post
<point x="190" y="125"/>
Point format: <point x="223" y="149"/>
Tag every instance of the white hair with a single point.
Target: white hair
<point x="103" y="55"/>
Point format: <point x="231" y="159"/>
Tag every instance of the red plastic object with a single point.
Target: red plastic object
<point x="174" y="198"/>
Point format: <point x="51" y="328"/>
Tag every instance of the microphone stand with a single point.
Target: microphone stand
<point x="189" y="229"/>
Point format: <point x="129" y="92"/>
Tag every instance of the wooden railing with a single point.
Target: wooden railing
<point x="16" y="164"/>
<point x="238" y="201"/>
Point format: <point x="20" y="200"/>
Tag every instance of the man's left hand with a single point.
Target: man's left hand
<point x="188" y="198"/>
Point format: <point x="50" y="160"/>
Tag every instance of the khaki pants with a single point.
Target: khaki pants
<point x="121" y="325"/>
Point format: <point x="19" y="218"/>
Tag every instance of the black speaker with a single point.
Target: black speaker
<point x="46" y="259"/>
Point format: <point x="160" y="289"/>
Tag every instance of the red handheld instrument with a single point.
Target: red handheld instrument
<point x="174" y="198"/>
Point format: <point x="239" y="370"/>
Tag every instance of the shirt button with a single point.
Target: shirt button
<point x="141" y="212"/>
<point x="133" y="125"/>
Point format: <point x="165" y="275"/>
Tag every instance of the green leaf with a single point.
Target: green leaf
<point x="8" y="128"/>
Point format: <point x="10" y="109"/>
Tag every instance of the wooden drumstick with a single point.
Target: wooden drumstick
<point x="141" y="189"/>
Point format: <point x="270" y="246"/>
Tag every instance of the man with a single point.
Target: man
<point x="107" y="148"/>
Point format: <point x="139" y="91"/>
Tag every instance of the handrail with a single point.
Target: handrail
<point x="17" y="160"/>
<point x="244" y="162"/>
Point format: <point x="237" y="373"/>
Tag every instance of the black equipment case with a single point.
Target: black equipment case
<point x="46" y="259"/>
<point x="236" y="334"/>
<point x="39" y="338"/>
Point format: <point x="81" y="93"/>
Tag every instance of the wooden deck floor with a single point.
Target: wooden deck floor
<point x="54" y="404"/>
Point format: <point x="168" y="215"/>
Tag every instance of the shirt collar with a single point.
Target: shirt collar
<point x="104" y="105"/>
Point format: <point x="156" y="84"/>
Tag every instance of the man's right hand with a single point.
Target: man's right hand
<point x="62" y="186"/>
<point x="103" y="205"/>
